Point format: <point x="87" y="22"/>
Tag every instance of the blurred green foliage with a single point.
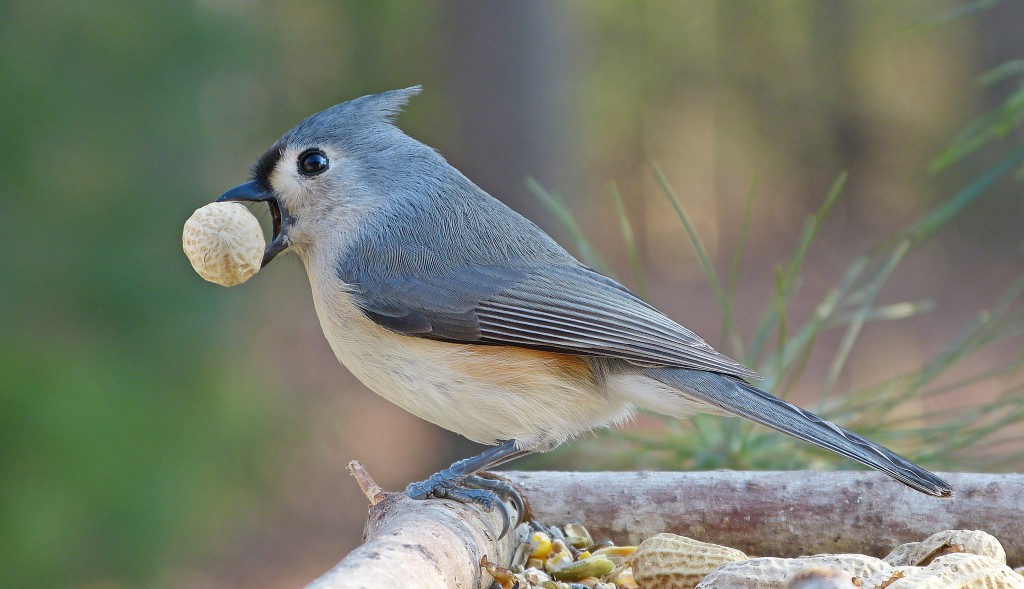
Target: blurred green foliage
<point x="122" y="439"/>
<point x="945" y="436"/>
<point x="133" y="427"/>
<point x="1002" y="123"/>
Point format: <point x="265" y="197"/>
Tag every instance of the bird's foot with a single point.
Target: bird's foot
<point x="487" y="493"/>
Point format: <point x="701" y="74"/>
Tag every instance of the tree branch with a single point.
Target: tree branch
<point x="413" y="544"/>
<point x="777" y="513"/>
<point x="439" y="543"/>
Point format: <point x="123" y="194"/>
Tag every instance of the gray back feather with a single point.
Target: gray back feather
<point x="438" y="257"/>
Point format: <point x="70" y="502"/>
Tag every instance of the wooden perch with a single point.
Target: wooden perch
<point x="413" y="544"/>
<point x="778" y="513"/>
<point x="421" y="544"/>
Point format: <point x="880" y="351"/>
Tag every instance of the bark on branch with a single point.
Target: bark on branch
<point x="778" y="513"/>
<point x="428" y="544"/>
<point x="433" y="544"/>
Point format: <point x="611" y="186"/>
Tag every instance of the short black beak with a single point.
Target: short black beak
<point x="252" y="192"/>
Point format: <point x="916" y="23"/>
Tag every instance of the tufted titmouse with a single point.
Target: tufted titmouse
<point x="449" y="304"/>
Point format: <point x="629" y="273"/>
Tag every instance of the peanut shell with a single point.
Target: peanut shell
<point x="774" y="573"/>
<point x="668" y="561"/>
<point x="224" y="243"/>
<point x="946" y="542"/>
<point x="958" y="571"/>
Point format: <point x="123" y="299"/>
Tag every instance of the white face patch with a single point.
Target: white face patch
<point x="317" y="203"/>
<point x="296" y="190"/>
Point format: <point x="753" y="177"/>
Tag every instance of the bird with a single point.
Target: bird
<point x="443" y="300"/>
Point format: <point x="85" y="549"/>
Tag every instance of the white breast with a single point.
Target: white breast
<point x="485" y="393"/>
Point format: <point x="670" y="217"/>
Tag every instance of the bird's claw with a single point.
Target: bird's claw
<point x="473" y="489"/>
<point x="502" y="489"/>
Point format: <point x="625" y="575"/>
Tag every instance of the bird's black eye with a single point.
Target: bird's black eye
<point x="313" y="162"/>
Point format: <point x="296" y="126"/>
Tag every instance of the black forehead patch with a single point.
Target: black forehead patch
<point x="265" y="165"/>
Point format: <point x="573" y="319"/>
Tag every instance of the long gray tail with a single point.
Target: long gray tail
<point x="739" y="398"/>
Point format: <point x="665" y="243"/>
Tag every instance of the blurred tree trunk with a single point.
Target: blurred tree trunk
<point x="841" y="133"/>
<point x="1000" y="40"/>
<point x="509" y="71"/>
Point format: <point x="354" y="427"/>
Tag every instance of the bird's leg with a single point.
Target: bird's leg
<point x="459" y="482"/>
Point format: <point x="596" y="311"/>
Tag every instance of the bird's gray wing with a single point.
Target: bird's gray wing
<point x="565" y="308"/>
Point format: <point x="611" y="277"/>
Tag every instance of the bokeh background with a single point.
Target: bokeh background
<point x="157" y="430"/>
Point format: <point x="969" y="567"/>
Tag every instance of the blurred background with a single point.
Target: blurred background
<point x="157" y="430"/>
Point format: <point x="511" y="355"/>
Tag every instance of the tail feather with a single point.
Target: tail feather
<point x="739" y="398"/>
